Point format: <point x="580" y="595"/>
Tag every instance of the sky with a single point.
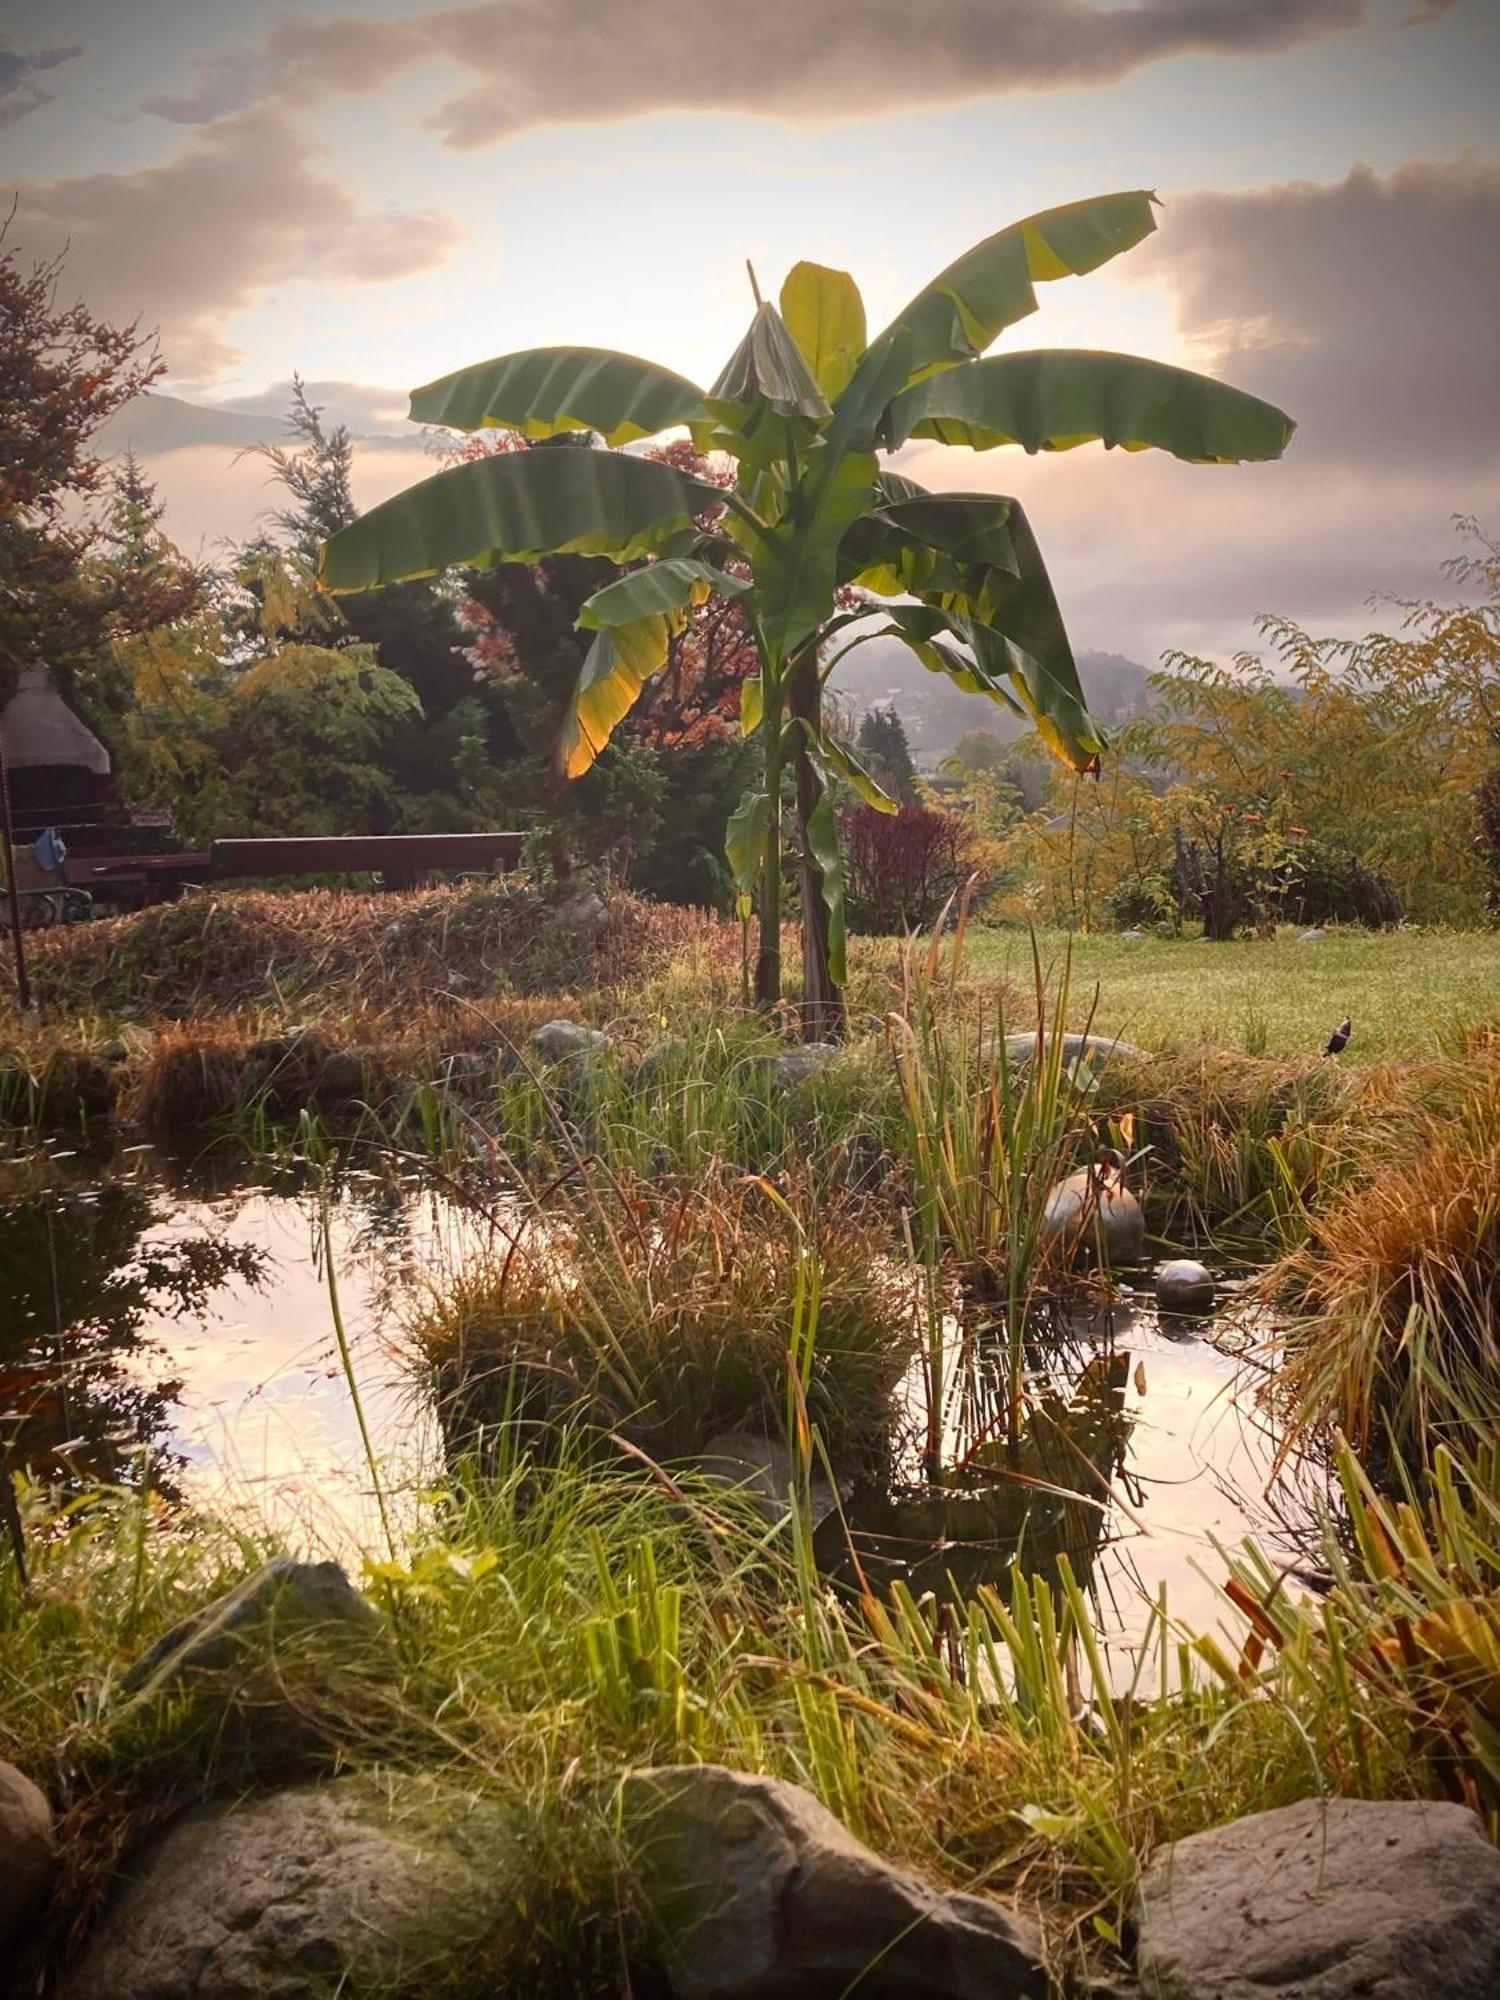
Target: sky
<point x="373" y="194"/>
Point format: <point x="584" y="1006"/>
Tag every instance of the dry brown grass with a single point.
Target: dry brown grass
<point x="250" y="948"/>
<point x="1397" y="1287"/>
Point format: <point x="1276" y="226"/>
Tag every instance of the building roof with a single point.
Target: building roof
<point x="40" y="728"/>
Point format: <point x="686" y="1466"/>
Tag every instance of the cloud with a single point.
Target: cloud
<point x="19" y="91"/>
<point x="532" y="63"/>
<point x="1368" y="309"/>
<point x="189" y="243"/>
<point x="366" y="409"/>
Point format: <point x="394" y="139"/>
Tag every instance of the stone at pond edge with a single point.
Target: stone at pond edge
<point x="759" y="1893"/>
<point x="1087" y="1215"/>
<point x="1185" y="1286"/>
<point x="763" y="1468"/>
<point x="1092" y="1050"/>
<point x="26" y="1849"/>
<point x="794" y="1067"/>
<point x="282" y="1600"/>
<point x="1339" y="1899"/>
<point x="565" y="1041"/>
<point x="395" y="1886"/>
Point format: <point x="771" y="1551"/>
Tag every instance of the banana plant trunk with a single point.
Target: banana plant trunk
<point x="824" y="1016"/>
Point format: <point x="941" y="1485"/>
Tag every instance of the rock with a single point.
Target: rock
<point x="1132" y="937"/>
<point x="793" y="1067"/>
<point x="584" y="914"/>
<point x="26" y="1845"/>
<point x="1339" y="1899"/>
<point x="565" y="1041"/>
<point x="1185" y="1286"/>
<point x="763" y="1467"/>
<point x="1088" y="1051"/>
<point x="283" y="1601"/>
<point x="393" y="1886"/>
<point x="341" y="1076"/>
<point x="1091" y="1212"/>
<point x="758" y="1893"/>
<point x="1314" y="936"/>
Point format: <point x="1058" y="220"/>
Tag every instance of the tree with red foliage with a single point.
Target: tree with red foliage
<point x="62" y="374"/>
<point x="902" y="867"/>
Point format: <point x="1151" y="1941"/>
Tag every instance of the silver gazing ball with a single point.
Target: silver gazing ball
<point x="1185" y="1286"/>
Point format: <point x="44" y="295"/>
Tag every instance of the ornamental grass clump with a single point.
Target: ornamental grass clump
<point x="670" y="1314"/>
<point x="1395" y="1343"/>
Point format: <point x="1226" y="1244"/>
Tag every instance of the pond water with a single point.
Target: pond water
<point x="152" y="1310"/>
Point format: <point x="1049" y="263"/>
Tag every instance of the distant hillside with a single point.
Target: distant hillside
<point x="154" y="424"/>
<point x="936" y="713"/>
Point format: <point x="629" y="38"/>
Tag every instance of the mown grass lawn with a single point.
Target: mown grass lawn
<point x="1407" y="992"/>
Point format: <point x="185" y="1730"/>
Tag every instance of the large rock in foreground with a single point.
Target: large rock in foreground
<point x="26" y="1851"/>
<point x="1342" y="1899"/>
<point x="760" y="1894"/>
<point x="359" y="1888"/>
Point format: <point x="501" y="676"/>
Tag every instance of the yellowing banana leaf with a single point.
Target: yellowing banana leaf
<point x="615" y="668"/>
<point x="1055" y="399"/>
<point x="752" y="704"/>
<point x="993" y="285"/>
<point x="662" y="587"/>
<point x="825" y="315"/>
<point x="517" y="507"/>
<point x="546" y="390"/>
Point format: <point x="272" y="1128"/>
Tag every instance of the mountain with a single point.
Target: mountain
<point x="936" y="713"/>
<point x="153" y="424"/>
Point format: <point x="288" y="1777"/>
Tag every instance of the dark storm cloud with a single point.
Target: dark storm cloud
<point x="1367" y="309"/>
<point x="189" y="243"/>
<point x="536" y="61"/>
<point x="19" y="90"/>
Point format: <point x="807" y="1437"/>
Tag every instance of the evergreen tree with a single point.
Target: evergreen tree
<point x="884" y="749"/>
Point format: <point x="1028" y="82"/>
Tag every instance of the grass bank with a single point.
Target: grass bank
<point x="1408" y="993"/>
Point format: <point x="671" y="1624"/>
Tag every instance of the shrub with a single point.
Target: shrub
<point x="902" y="867"/>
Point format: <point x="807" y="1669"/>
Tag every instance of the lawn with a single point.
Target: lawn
<point x="1407" y="992"/>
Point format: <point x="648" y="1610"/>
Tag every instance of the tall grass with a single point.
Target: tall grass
<point x="1394" y="1341"/>
<point x="562" y="1624"/>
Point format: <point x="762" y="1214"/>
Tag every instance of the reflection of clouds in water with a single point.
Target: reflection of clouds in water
<point x="265" y="1417"/>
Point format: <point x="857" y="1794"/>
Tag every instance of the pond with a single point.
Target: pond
<point x="184" y="1318"/>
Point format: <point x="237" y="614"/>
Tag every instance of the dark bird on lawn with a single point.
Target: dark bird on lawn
<point x="1338" y="1041"/>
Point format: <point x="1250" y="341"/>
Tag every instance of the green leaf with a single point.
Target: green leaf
<point x="745" y="844"/>
<point x="796" y="566"/>
<point x="1023" y="611"/>
<point x="825" y="315"/>
<point x="1054" y="400"/>
<point x="838" y="757"/>
<point x="992" y="286"/>
<point x="546" y="390"/>
<point x="766" y="372"/>
<point x="516" y="507"/>
<point x="929" y="633"/>
<point x="752" y="704"/>
<point x="663" y="587"/>
<point x="823" y="845"/>
<point x="615" y="668"/>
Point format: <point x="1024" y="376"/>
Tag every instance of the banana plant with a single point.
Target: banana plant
<point x="806" y="407"/>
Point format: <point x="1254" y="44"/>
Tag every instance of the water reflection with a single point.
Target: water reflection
<point x="90" y="1279"/>
<point x="185" y="1311"/>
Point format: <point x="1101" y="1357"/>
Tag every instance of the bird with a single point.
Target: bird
<point x="1338" y="1041"/>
